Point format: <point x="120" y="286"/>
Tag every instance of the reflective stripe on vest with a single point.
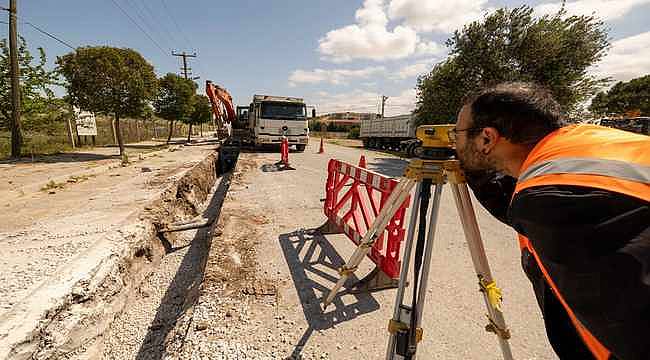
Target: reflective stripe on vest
<point x="599" y="351"/>
<point x="590" y="156"/>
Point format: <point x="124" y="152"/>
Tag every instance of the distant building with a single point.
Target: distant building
<point x="346" y="118"/>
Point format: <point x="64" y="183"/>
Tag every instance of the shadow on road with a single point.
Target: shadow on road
<point x="184" y="289"/>
<point x="388" y="166"/>
<point x="60" y="158"/>
<point x="306" y="253"/>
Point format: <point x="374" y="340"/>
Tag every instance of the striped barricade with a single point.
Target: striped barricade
<point x="354" y="197"/>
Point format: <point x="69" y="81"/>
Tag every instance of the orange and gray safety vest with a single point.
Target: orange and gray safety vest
<point x="590" y="156"/>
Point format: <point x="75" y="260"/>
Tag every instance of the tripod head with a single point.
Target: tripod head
<point x="435" y="142"/>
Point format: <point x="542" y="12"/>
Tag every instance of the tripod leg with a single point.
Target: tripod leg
<point x="481" y="266"/>
<point x="425" y="259"/>
<point x="426" y="263"/>
<point x="406" y="260"/>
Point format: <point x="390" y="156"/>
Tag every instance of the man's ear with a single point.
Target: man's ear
<point x="489" y="136"/>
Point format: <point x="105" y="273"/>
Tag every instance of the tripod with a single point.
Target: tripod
<point x="405" y="325"/>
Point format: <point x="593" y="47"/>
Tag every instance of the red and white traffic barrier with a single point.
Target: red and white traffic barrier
<point x="354" y="196"/>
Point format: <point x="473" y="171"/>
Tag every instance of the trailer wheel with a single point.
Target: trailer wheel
<point x="418" y="151"/>
<point x="300" y="148"/>
<point x="409" y="150"/>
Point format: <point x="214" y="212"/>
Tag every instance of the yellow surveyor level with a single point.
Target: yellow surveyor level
<point x="435" y="143"/>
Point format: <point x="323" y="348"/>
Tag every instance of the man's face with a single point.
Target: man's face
<point x="470" y="149"/>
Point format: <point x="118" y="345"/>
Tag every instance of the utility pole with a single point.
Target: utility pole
<point x="185" y="56"/>
<point x="16" y="136"/>
<point x="383" y="102"/>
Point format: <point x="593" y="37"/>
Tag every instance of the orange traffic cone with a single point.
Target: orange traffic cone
<point x="322" y="149"/>
<point x="362" y="162"/>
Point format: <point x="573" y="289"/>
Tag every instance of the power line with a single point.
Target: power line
<point x="139" y="27"/>
<point x="41" y="31"/>
<point x="180" y="30"/>
<point x="169" y="13"/>
<point x="141" y="15"/>
<point x="162" y="23"/>
<point x="49" y="35"/>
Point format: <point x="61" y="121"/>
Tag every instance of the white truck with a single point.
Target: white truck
<point x="272" y="117"/>
<point x="389" y="133"/>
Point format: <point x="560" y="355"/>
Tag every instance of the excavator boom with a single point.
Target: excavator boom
<point x="220" y="99"/>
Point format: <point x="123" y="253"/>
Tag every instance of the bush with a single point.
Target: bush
<point x="354" y="132"/>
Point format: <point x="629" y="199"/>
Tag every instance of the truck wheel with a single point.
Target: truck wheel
<point x="409" y="150"/>
<point x="300" y="148"/>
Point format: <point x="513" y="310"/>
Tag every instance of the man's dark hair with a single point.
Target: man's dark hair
<point x="523" y="113"/>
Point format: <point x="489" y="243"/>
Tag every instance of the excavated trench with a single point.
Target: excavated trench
<point x="125" y="309"/>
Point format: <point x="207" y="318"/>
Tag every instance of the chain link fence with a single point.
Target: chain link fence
<point x="51" y="134"/>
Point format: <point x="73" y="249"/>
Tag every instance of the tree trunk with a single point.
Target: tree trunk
<point x="189" y="133"/>
<point x="201" y="130"/>
<point x="118" y="134"/>
<point x="171" y="130"/>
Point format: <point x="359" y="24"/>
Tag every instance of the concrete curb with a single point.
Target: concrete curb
<point x="69" y="314"/>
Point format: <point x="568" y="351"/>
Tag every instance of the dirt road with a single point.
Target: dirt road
<point x="58" y="206"/>
<point x="252" y="289"/>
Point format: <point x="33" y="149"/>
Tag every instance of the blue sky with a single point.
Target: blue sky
<point x="337" y="54"/>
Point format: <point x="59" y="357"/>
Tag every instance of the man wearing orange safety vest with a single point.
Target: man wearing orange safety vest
<point x="579" y="197"/>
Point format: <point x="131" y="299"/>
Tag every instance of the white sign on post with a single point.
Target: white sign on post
<point x="86" y="124"/>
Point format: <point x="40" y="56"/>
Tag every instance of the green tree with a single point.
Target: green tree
<point x="35" y="82"/>
<point x="201" y="113"/>
<point x="512" y="45"/>
<point x="624" y="97"/>
<point x="108" y="80"/>
<point x="174" y="100"/>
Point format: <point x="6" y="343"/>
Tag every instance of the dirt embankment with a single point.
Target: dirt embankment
<point x="69" y="316"/>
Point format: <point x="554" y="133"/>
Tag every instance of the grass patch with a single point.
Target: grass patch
<point x="52" y="186"/>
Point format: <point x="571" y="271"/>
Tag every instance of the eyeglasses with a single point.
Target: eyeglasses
<point x="453" y="133"/>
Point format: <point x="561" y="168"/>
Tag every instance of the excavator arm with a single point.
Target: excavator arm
<point x="220" y="99"/>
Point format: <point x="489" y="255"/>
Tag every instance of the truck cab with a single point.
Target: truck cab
<point x="272" y="117"/>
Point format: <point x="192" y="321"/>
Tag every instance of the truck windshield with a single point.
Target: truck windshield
<point x="280" y="110"/>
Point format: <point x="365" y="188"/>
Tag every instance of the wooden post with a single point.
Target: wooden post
<point x="16" y="131"/>
<point x="71" y="134"/>
<point x="114" y="132"/>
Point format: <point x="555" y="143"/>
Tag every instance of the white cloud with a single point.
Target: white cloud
<point x="436" y="15"/>
<point x="403" y="103"/>
<point x="628" y="58"/>
<point x="413" y="70"/>
<point x="366" y="101"/>
<point x="604" y="9"/>
<point x="369" y="38"/>
<point x="429" y="48"/>
<point x="334" y="76"/>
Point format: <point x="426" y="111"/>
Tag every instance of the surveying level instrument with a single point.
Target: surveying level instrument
<point x="436" y="165"/>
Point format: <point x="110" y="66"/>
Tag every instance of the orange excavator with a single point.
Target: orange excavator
<point x="222" y="108"/>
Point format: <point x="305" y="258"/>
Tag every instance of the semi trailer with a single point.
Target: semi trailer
<point x="390" y="133"/>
